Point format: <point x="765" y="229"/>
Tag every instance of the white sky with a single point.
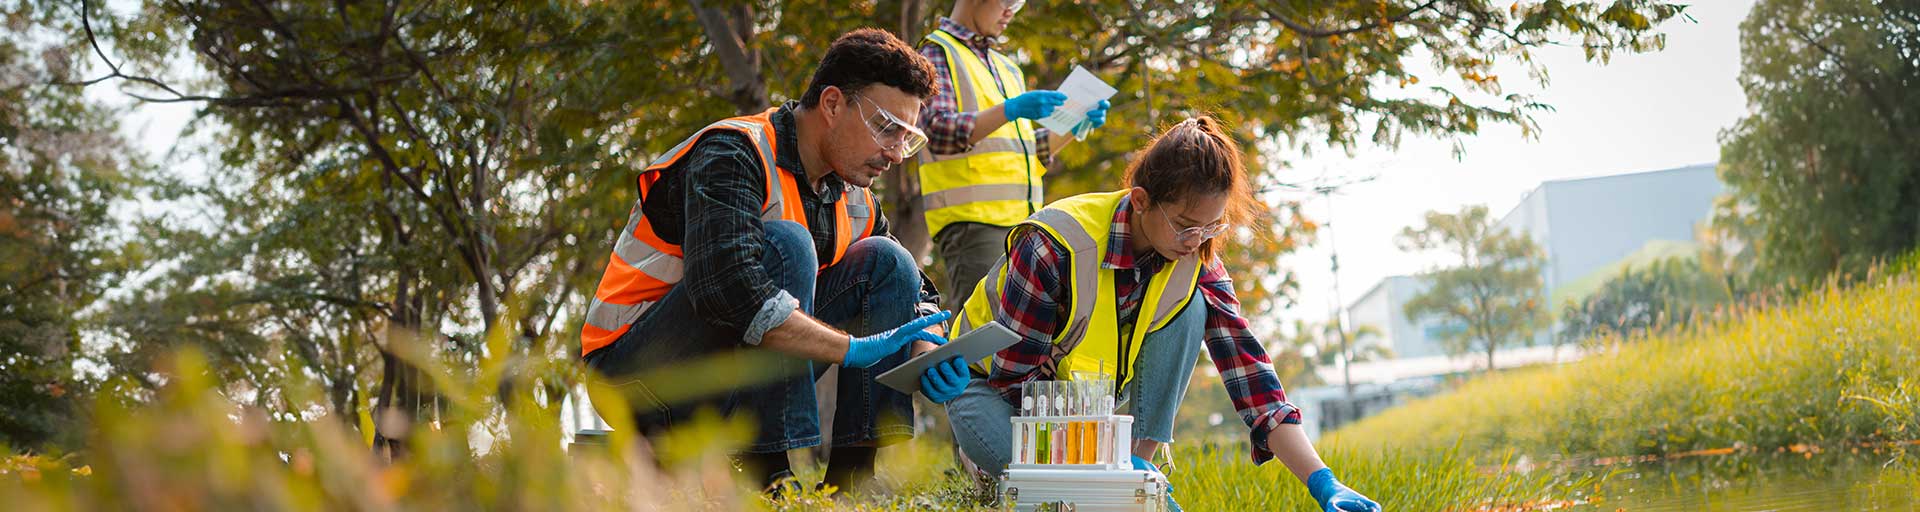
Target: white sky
<point x="1640" y="112"/>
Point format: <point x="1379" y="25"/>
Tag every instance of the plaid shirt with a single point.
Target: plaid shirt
<point x="950" y="132"/>
<point x="1034" y="305"/>
<point x="711" y="208"/>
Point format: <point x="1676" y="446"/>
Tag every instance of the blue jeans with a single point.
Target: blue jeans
<point x="873" y="288"/>
<point x="980" y="417"/>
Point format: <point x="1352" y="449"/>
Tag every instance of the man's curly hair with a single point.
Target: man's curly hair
<point x="870" y="56"/>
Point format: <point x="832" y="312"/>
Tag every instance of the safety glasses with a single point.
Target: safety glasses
<point x="890" y="132"/>
<point x="1196" y="233"/>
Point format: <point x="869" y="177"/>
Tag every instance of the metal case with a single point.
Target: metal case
<point x="1082" y="491"/>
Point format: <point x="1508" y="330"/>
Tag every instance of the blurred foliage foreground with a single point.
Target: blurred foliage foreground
<point x="1834" y="370"/>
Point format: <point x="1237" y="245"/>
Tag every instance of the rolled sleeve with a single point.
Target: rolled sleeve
<point x="1265" y="424"/>
<point x="773" y="312"/>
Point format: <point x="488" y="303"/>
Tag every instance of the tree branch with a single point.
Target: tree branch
<point x="1310" y="31"/>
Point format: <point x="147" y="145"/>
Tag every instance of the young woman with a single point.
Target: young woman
<point x="1128" y="284"/>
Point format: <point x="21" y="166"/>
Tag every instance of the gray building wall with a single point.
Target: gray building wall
<point x="1383" y="307"/>
<point x="1584" y="224"/>
<point x="1581" y="224"/>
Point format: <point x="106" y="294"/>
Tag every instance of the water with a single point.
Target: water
<point x="1771" y="482"/>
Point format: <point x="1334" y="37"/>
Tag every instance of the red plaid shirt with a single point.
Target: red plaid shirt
<point x="948" y="131"/>
<point x="1034" y="305"/>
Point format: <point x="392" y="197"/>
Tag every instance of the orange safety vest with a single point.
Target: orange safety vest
<point x="643" y="267"/>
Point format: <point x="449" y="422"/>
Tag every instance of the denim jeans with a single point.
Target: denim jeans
<point x="874" y="288"/>
<point x="980" y="417"/>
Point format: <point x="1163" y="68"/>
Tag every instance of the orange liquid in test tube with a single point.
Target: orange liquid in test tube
<point x="1073" y="442"/>
<point x="1089" y="443"/>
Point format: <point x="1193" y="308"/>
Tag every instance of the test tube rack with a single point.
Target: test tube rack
<point x="1113" y="445"/>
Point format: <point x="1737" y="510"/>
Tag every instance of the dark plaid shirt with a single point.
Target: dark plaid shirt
<point x="950" y="131"/>
<point x="711" y="208"/>
<point x="1035" y="301"/>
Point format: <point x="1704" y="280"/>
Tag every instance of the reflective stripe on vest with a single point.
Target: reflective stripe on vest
<point x="643" y="267"/>
<point x="997" y="181"/>
<point x="1089" y="340"/>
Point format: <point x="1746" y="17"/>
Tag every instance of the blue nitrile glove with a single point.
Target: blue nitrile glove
<point x="1034" y="104"/>
<point x="1142" y="464"/>
<point x="945" y="380"/>
<point x="1336" y="497"/>
<point x="863" y="352"/>
<point x="1097" y="116"/>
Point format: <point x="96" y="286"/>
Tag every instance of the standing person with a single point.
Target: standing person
<point x="1128" y="283"/>
<point x="754" y="249"/>
<point x="981" y="172"/>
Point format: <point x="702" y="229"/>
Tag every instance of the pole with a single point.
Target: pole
<point x="1339" y="308"/>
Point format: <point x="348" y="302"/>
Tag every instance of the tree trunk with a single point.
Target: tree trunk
<point x="900" y="197"/>
<point x="1491" y="346"/>
<point x="730" y="32"/>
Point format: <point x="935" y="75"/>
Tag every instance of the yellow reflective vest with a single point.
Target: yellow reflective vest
<point x="1090" y="340"/>
<point x="998" y="181"/>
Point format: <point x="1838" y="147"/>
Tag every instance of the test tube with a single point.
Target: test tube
<point x="1088" y="438"/>
<point x="1090" y="429"/>
<point x="1073" y="426"/>
<point x="1042" y="436"/>
<point x="1106" y="429"/>
<point x="1059" y="440"/>
<point x="1023" y="452"/>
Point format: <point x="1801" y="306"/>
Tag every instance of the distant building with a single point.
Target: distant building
<point x="1586" y="224"/>
<point x="1381" y="307"/>
<point x="1587" y="228"/>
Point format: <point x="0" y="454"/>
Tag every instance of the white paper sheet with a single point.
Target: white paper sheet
<point x="1084" y="91"/>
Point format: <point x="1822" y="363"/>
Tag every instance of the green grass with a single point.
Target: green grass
<point x="1836" y="368"/>
<point x="1211" y="477"/>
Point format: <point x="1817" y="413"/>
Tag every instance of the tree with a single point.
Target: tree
<point x="1493" y="289"/>
<point x="393" y="174"/>
<point x="1824" y="164"/>
<point x="63" y="168"/>
<point x="1668" y="293"/>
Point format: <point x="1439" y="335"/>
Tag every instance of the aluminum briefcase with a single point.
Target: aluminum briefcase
<point x="1083" y="491"/>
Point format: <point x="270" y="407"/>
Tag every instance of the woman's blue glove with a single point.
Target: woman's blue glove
<point x="1034" y="104"/>
<point x="945" y="380"/>
<point x="1336" y="497"/>
<point x="864" y="352"/>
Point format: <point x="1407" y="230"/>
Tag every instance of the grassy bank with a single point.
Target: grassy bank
<point x="1837" y="369"/>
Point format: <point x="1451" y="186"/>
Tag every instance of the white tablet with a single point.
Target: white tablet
<point x="972" y="346"/>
